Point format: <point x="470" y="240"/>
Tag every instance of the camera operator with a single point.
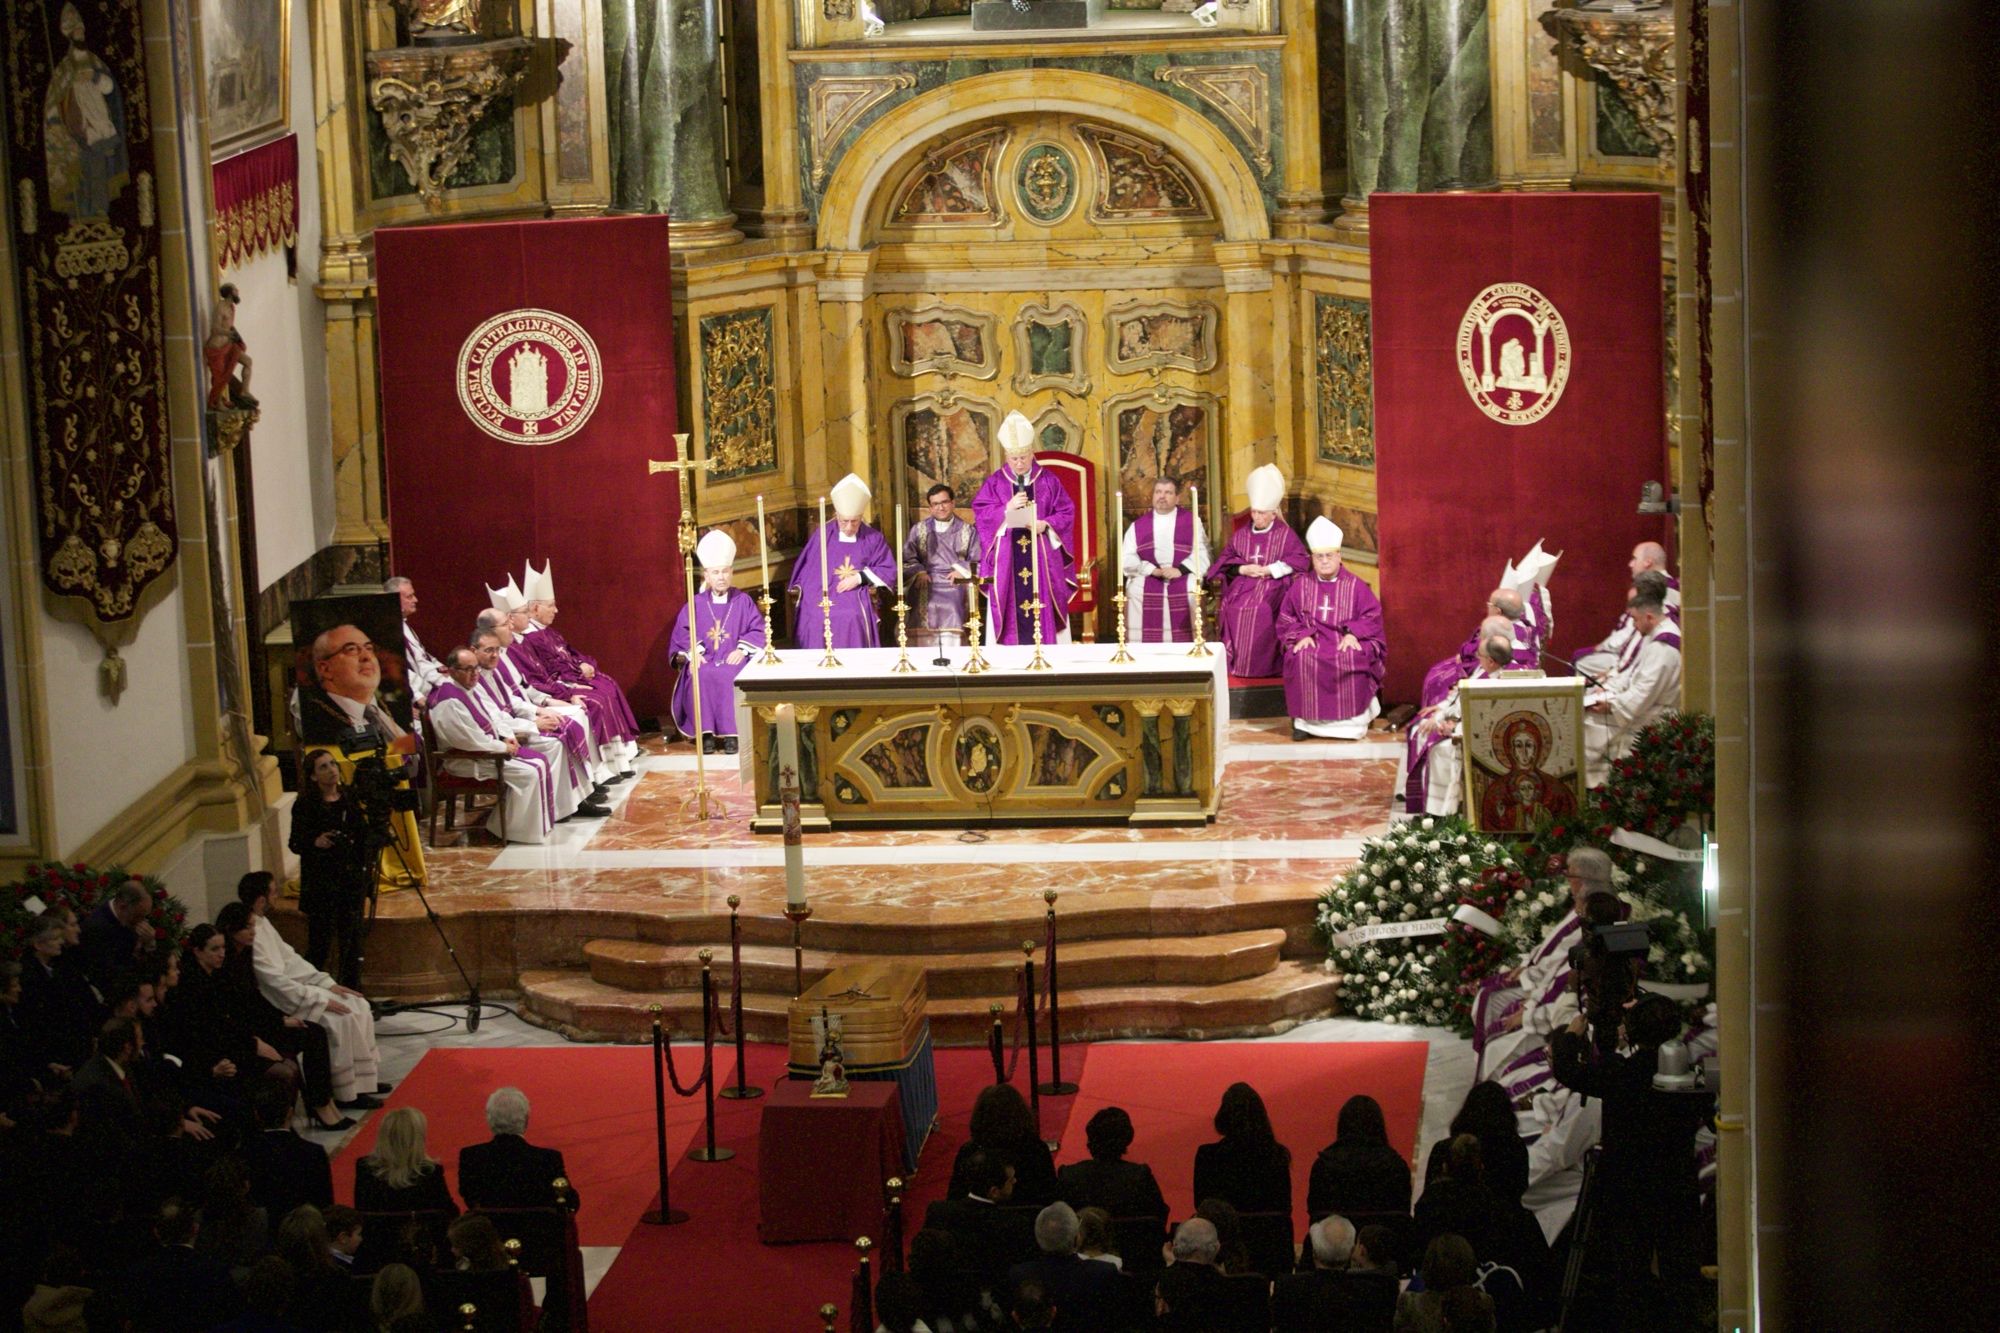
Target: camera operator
<point x="1643" y="1195"/>
<point x="336" y="866"/>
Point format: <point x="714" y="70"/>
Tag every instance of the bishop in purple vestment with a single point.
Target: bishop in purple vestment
<point x="727" y="628"/>
<point x="1262" y="559"/>
<point x="857" y="560"/>
<point x="1443" y="677"/>
<point x="1018" y="495"/>
<point x="576" y="671"/>
<point x="1330" y="627"/>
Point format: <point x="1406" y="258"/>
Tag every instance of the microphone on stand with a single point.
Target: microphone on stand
<point x="1572" y="666"/>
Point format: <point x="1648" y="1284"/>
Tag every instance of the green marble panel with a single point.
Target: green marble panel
<point x="1419" y="102"/>
<point x="489" y="161"/>
<point x="1618" y="131"/>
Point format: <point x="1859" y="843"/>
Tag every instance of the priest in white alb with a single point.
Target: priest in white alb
<point x="463" y="721"/>
<point x="1645" y="683"/>
<point x="1163" y="556"/>
<point x="1330" y="627"/>
<point x="558" y="740"/>
<point x="419" y="668"/>
<point x="1652" y="578"/>
<point x="1427" y="783"/>
<point x="603" y="767"/>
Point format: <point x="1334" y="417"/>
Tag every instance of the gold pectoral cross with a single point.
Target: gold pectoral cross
<point x="845" y="568"/>
<point x="716" y="634"/>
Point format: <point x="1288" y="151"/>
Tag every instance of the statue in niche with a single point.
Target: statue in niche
<point x="83" y="121"/>
<point x="449" y="20"/>
<point x="227" y="357"/>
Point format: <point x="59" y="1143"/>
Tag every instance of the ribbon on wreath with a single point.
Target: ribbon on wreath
<point x="256" y="201"/>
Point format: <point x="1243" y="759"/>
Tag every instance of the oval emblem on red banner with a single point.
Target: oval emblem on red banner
<point x="1513" y="353"/>
<point x="529" y="377"/>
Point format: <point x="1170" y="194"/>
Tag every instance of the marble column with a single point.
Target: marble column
<point x="666" y="116"/>
<point x="1419" y="104"/>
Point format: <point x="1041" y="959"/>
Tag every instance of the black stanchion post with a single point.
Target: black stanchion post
<point x="996" y="1044"/>
<point x="743" y="1089"/>
<point x="861" y="1317"/>
<point x="709" y="1153"/>
<point x="827" y="1314"/>
<point x="1034" y="1049"/>
<point x="1055" y="1087"/>
<point x="892" y="1227"/>
<point x="663" y="1216"/>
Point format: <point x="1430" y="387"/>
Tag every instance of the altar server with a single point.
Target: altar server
<point x="1023" y="514"/>
<point x="558" y="740"/>
<point x="1648" y="572"/>
<point x="564" y="663"/>
<point x="856" y="560"/>
<point x="1443" y="677"/>
<point x="1428" y="782"/>
<point x="1262" y="557"/>
<point x="940" y="547"/>
<point x="1330" y="627"/>
<point x="1163" y="556"/>
<point x="419" y="667"/>
<point x="463" y="721"/>
<point x="727" y="629"/>
<point x="614" y="747"/>
<point x="1645" y="683"/>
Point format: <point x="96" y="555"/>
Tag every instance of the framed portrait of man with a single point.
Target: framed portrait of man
<point x="1523" y="751"/>
<point x="349" y="685"/>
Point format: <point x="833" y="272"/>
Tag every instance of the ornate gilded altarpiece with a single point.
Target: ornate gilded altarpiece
<point x="80" y="147"/>
<point x="1343" y="381"/>
<point x="1162" y="432"/>
<point x="739" y="393"/>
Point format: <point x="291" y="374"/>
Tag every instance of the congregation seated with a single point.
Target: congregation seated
<point x="1195" y="1295"/>
<point x="1247" y="1167"/>
<point x="1086" y="1295"/>
<point x="396" y="1302"/>
<point x="1106" y="1180"/>
<point x="1003" y="1127"/>
<point x="297" y="989"/>
<point x="401" y="1176"/>
<point x="1445" y="1297"/>
<point x="117" y="935"/>
<point x="175" y="1287"/>
<point x="1359" y="1174"/>
<point x="949" y="1296"/>
<point x="1487" y="1113"/>
<point x="987" y="1233"/>
<point x="1335" y="1292"/>
<point x="1507" y="1244"/>
<point x="324" y="1297"/>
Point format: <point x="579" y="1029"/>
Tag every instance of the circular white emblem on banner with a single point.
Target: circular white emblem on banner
<point x="1513" y="353"/>
<point x="529" y="377"/>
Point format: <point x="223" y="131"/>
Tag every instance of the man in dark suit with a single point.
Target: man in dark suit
<point x="58" y="1007"/>
<point x="105" y="1093"/>
<point x="116" y="934"/>
<point x="1334" y="1294"/>
<point x="1085" y="1293"/>
<point x="984" y="1233"/>
<point x="285" y="1170"/>
<point x="507" y="1171"/>
<point x="175" y="1289"/>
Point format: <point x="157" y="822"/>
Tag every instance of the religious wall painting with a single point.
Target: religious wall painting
<point x="739" y="392"/>
<point x="1523" y="751"/>
<point x="80" y="153"/>
<point x="944" y="438"/>
<point x="1139" y="181"/>
<point x="1045" y="182"/>
<point x="1343" y="380"/>
<point x="946" y="340"/>
<point x="1048" y="349"/>
<point x="1161" y="432"/>
<point x="1157" y="336"/>
<point x="1056" y="431"/>
<point x="952" y="184"/>
<point x="246" y="56"/>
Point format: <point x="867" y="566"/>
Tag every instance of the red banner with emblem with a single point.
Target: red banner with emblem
<point x="527" y="377"/>
<point x="1519" y="396"/>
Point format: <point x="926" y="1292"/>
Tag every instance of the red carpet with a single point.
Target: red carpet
<point x="712" y="1273"/>
<point x="594" y="1103"/>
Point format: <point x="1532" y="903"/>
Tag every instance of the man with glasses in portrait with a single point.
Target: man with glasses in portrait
<point x="340" y="706"/>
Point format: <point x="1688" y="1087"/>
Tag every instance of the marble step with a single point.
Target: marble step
<point x="1177" y="960"/>
<point x="584" y="1009"/>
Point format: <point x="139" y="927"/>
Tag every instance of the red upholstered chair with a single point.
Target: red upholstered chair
<point x="1079" y="479"/>
<point x="446" y="787"/>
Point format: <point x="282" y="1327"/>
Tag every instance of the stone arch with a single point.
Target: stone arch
<point x="880" y="151"/>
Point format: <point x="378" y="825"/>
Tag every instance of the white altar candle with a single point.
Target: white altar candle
<point x="1118" y="535"/>
<point x="763" y="545"/>
<point x="1034" y="557"/>
<point x="825" y="587"/>
<point x="788" y="804"/>
<point x="899" y="550"/>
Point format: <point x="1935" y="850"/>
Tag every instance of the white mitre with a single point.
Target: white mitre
<point x="1017" y="434"/>
<point x="507" y="599"/>
<point x="1324" y="535"/>
<point x="1266" y="486"/>
<point x="1536" y="566"/>
<point x="539" y="585"/>
<point x="850" y="496"/>
<point x="715" y="550"/>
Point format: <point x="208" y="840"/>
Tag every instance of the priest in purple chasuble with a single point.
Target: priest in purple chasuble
<point x="856" y="560"/>
<point x="1020" y="504"/>
<point x="1427" y="783"/>
<point x="1514" y="1011"/>
<point x="1261" y="559"/>
<point x="1330" y="627"/>
<point x="1443" y="677"/>
<point x="462" y="721"/>
<point x="615" y="751"/>
<point x="564" y="663"/>
<point x="727" y="628"/>
<point x="1163" y="556"/>
<point x="940" y="547"/>
<point x="559" y="740"/>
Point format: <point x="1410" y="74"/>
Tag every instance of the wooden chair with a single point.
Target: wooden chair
<point x="403" y="1237"/>
<point x="502" y="1302"/>
<point x="447" y="787"/>
<point x="548" y="1248"/>
<point x="1078" y="476"/>
<point x="885" y="619"/>
<point x="1268" y="1239"/>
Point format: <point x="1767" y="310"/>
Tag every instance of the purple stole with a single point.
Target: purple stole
<point x="503" y="692"/>
<point x="450" y="690"/>
<point x="1163" y="603"/>
<point x="1417" y="785"/>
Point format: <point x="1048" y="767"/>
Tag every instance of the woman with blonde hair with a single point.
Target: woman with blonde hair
<point x="401" y="1176"/>
<point x="396" y="1301"/>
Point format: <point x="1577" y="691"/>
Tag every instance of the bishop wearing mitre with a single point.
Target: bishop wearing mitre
<point x="1260" y="561"/>
<point x="1330" y="628"/>
<point x="855" y="559"/>
<point x="1024" y="515"/>
<point x="715" y="634"/>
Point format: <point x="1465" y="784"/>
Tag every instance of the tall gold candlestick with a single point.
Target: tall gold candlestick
<point x="764" y="602"/>
<point x="825" y="593"/>
<point x="974" y="630"/>
<point x="1201" y="648"/>
<point x="903" y="662"/>
<point x="1118" y="569"/>
<point x="1037" y="662"/>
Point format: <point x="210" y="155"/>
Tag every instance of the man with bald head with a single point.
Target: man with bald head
<point x="1428" y="781"/>
<point x="340" y="705"/>
<point x="1504" y="604"/>
<point x="1649" y="563"/>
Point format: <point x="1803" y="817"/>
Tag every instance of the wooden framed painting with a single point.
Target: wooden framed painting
<point x="246" y="62"/>
<point x="1523" y="751"/>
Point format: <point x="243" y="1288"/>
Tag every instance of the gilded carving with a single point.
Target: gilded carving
<point x="943" y="339"/>
<point x="739" y="392"/>
<point x="1343" y="380"/>
<point x="1241" y="94"/>
<point x="952" y="184"/>
<point x="1155" y="336"/>
<point x="430" y="97"/>
<point x="1048" y="349"/>
<point x="836" y="105"/>
<point x="1045" y="179"/>
<point x="976" y="756"/>
<point x="1139" y="181"/>
<point x="1635" y="53"/>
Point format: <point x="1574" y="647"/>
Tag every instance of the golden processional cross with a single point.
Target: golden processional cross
<point x="698" y="803"/>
